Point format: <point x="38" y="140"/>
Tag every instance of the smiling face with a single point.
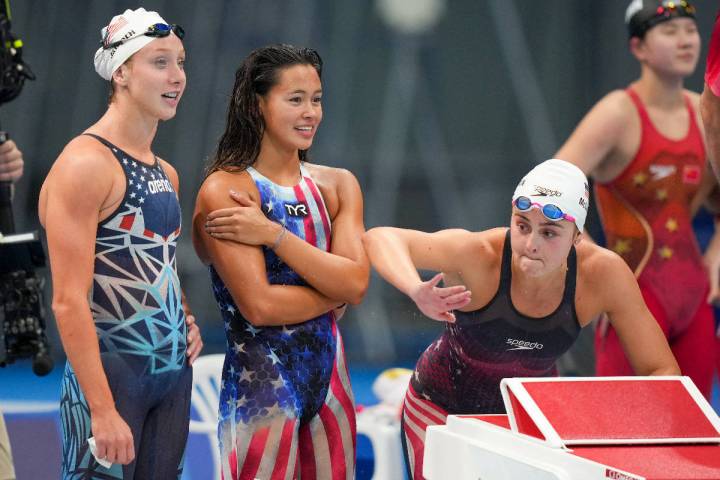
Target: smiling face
<point x="154" y="77"/>
<point x="540" y="246"/>
<point x="292" y="109"/>
<point x="670" y="48"/>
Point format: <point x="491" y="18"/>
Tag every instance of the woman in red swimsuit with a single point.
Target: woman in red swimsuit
<point x="644" y="147"/>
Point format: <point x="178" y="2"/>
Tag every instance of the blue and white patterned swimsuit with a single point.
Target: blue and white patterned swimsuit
<point x="140" y="324"/>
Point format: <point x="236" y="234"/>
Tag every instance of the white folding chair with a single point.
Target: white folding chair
<point x="207" y="373"/>
<point x="384" y="436"/>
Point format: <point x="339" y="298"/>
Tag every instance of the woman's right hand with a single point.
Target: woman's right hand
<point x="245" y="223"/>
<point x="113" y="437"/>
<point x="438" y="302"/>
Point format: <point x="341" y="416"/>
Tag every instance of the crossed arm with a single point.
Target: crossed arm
<point x="341" y="274"/>
<point x="242" y="265"/>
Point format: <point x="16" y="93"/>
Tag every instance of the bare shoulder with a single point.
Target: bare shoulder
<point x="84" y="165"/>
<point x="215" y="189"/>
<point x="85" y="155"/>
<point x="485" y="246"/>
<point x="600" y="267"/>
<point x="168" y="168"/>
<point x="616" y="105"/>
<point x="693" y="96"/>
<point x="333" y="175"/>
<point x="477" y="260"/>
<point x="695" y="99"/>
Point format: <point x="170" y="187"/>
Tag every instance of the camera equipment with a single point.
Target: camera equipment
<point x="22" y="327"/>
<point x="13" y="71"/>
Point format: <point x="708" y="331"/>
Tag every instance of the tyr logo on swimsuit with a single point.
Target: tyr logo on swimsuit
<point x="296" y="210"/>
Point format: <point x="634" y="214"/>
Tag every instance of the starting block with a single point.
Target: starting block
<point x="589" y="428"/>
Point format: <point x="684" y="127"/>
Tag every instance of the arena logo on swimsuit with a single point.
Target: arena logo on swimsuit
<point x="157" y="186"/>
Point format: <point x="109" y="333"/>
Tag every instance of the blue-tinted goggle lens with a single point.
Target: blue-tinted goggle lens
<point x="163" y="30"/>
<point x="550" y="211"/>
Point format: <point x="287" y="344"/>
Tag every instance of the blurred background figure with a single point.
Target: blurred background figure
<point x="645" y="149"/>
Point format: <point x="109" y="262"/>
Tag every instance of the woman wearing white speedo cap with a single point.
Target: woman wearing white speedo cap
<point x="514" y="300"/>
<point x="112" y="216"/>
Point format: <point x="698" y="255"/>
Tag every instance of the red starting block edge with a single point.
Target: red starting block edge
<point x="478" y="447"/>
<point x="677" y="437"/>
<point x="610" y="410"/>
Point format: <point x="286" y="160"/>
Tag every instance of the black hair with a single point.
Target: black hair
<point x="654" y="12"/>
<point x="239" y="145"/>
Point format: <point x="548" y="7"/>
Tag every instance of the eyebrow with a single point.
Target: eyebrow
<point x="300" y="90"/>
<point x="547" y="223"/>
<point x="165" y="49"/>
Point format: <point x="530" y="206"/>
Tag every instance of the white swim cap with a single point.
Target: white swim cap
<point x="131" y="25"/>
<point x="560" y="183"/>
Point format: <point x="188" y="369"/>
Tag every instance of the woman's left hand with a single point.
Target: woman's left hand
<point x="194" y="339"/>
<point x="243" y="224"/>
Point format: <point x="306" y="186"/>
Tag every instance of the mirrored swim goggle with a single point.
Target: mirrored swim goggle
<point x="551" y="212"/>
<point x="157" y="30"/>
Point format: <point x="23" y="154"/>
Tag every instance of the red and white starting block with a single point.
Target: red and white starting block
<point x="585" y="428"/>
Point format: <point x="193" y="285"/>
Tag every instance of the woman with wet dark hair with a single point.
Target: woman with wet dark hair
<point x="263" y="223"/>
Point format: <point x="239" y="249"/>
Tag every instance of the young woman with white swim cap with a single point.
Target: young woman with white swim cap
<point x="112" y="217"/>
<point x="514" y="300"/>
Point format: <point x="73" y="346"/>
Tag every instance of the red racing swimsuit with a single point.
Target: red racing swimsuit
<point x="646" y="217"/>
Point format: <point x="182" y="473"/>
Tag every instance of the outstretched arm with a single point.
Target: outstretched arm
<point x="397" y="254"/>
<point x="71" y="227"/>
<point x="242" y="267"/>
<point x="341" y="274"/>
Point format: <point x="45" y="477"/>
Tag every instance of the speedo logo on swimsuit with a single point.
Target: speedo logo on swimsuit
<point x="659" y="172"/>
<point x="296" y="209"/>
<point x="157" y="186"/>
<point x="522" y="345"/>
<point x="546" y="192"/>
